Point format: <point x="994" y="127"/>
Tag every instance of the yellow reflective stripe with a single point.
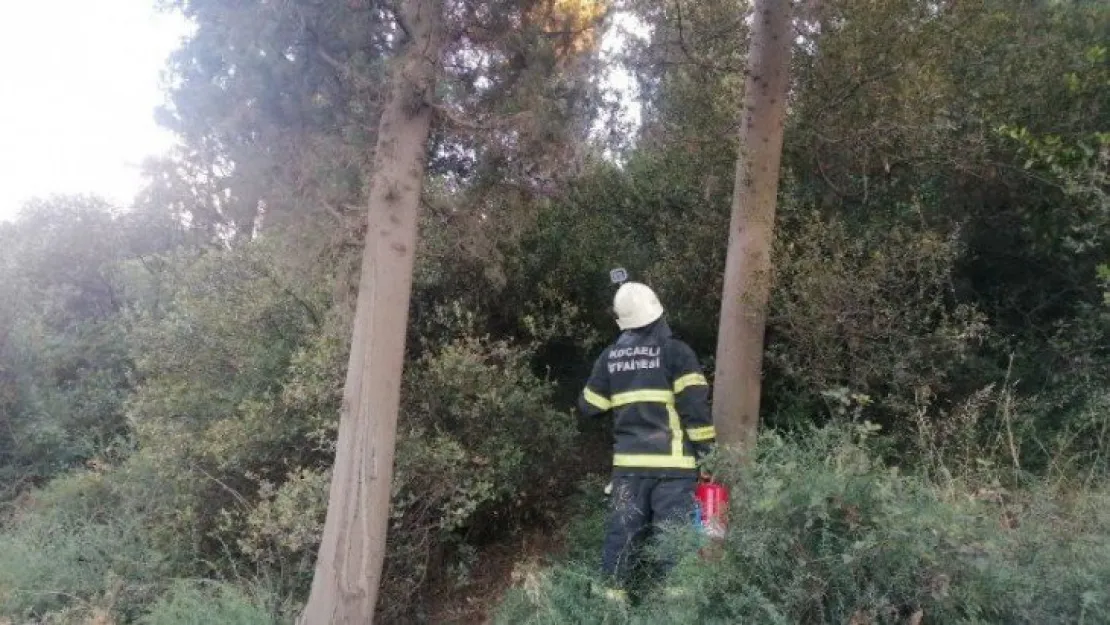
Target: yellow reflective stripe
<point x="676" y="430"/>
<point x="596" y="400"/>
<point x="674" y="460"/>
<point x="690" y="379"/>
<point x="702" y="434"/>
<point x="654" y="461"/>
<point x="647" y="396"/>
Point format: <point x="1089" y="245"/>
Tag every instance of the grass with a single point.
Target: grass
<point x="76" y="554"/>
<point x="821" y="532"/>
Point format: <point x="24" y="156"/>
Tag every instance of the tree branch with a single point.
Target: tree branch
<point x="690" y="56"/>
<point x="313" y="316"/>
<point x="825" y="176"/>
<point x="399" y="18"/>
<point x="499" y="122"/>
<point x="335" y="212"/>
<point x="449" y="116"/>
<point x="834" y="103"/>
<point x="344" y="69"/>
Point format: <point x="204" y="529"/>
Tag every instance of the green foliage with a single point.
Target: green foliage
<point x="283" y="527"/>
<point x="870" y="312"/>
<point x="474" y="411"/>
<point x="203" y="603"/>
<point x="177" y="369"/>
<point x="64" y="366"/>
<point x="225" y="337"/>
<point x="78" y="542"/>
<point x="821" y="532"/>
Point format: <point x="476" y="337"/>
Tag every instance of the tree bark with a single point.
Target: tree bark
<point x="736" y="388"/>
<point x="352" y="551"/>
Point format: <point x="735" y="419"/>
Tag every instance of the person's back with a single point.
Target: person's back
<point x="636" y="378"/>
<point x="654" y="387"/>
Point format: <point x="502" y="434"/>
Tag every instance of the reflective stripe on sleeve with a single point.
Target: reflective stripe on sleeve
<point x="596" y="400"/>
<point x="690" y="379"/>
<point x="702" y="434"/>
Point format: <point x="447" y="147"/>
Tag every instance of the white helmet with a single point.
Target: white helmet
<point x="636" y="306"/>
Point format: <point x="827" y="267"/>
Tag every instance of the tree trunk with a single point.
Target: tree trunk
<point x="352" y="550"/>
<point x="747" y="283"/>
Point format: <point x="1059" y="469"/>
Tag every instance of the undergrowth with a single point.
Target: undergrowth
<point x="77" y="553"/>
<point x="821" y="532"/>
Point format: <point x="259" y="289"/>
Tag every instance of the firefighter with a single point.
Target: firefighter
<point x="654" y="387"/>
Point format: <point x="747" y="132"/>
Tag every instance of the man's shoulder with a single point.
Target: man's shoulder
<point x="680" y="355"/>
<point x="608" y="348"/>
<point x="678" y="345"/>
<point x="606" y="353"/>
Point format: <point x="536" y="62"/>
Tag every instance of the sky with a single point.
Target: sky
<point x="81" y="81"/>
<point x="617" y="80"/>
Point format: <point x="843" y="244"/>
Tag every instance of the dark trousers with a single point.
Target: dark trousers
<point x="637" y="503"/>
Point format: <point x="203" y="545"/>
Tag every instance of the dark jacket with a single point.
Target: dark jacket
<point x="655" y="388"/>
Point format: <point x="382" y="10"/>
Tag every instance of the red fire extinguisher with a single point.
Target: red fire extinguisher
<point x="711" y="517"/>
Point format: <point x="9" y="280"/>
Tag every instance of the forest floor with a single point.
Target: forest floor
<point x="503" y="565"/>
<point x="519" y="557"/>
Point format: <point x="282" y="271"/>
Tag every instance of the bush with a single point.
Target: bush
<point x="479" y="449"/>
<point x="79" y="551"/>
<point x="238" y="385"/>
<point x="208" y="602"/>
<point x="73" y="544"/>
<point x="869" y="312"/>
<point x="823" y="533"/>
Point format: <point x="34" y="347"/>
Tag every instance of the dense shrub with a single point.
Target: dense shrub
<point x="942" y="219"/>
<point x="82" y="551"/>
<point x="205" y="603"/>
<point x="63" y="359"/>
<point x="480" y="448"/>
<point x="820" y="532"/>
<point x="74" y="544"/>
